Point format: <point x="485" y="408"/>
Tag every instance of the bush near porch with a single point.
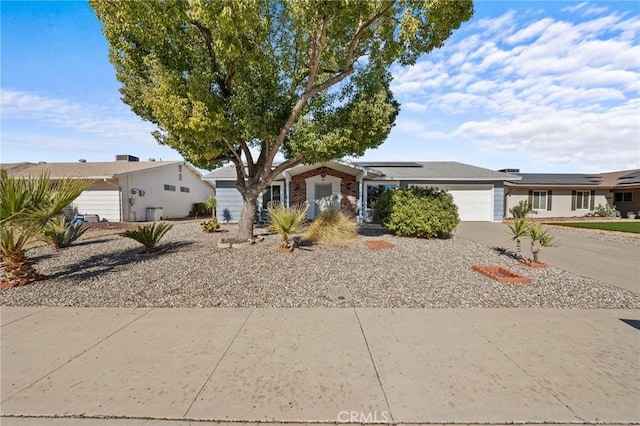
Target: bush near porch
<point x="418" y="212"/>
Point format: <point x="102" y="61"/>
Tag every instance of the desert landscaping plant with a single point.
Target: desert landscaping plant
<point x="540" y="238"/>
<point x="210" y="226"/>
<point x="519" y="228"/>
<point x="61" y="233"/>
<point x="286" y="221"/>
<point x="418" y="212"/>
<point x="604" y="210"/>
<point x="332" y="227"/>
<point x="149" y="235"/>
<point x="522" y="210"/>
<point x="27" y="205"/>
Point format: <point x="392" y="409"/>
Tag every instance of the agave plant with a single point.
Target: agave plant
<point x="540" y="237"/>
<point x="60" y="233"/>
<point x="286" y="221"/>
<point x="519" y="228"/>
<point x="149" y="235"/>
<point x="27" y="205"/>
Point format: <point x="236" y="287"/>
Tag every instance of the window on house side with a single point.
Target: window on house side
<point x="623" y="197"/>
<point x="539" y="200"/>
<point x="582" y="200"/>
<point x="169" y="187"/>
<point x="184" y="189"/>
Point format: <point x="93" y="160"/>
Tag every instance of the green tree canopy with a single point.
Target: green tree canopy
<point x="240" y="81"/>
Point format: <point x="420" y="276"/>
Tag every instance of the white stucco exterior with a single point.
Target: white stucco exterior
<point x="174" y="188"/>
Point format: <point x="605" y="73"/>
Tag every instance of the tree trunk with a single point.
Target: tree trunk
<point x="245" y="226"/>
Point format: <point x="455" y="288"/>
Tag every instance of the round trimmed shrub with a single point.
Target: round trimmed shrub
<point x="418" y="212"/>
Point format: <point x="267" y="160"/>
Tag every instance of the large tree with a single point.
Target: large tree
<point x="240" y="81"/>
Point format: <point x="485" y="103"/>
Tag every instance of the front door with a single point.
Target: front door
<point x="323" y="196"/>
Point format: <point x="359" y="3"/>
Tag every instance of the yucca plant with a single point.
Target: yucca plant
<point x="27" y="205"/>
<point x="540" y="237"/>
<point x="60" y="233"/>
<point x="286" y="221"/>
<point x="332" y="227"/>
<point x="519" y="228"/>
<point x="211" y="205"/>
<point x="149" y="235"/>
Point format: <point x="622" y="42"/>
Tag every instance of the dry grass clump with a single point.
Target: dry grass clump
<point x="332" y="227"/>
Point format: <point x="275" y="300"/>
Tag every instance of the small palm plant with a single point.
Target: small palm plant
<point x="211" y="205"/>
<point x="149" y="235"/>
<point x="519" y="228"/>
<point x="27" y="205"/>
<point x="540" y="237"/>
<point x="286" y="221"/>
<point x="60" y="233"/>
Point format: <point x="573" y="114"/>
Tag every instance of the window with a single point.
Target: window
<point x="271" y="196"/>
<point x="169" y="187"/>
<point x="622" y="197"/>
<point x="539" y="200"/>
<point x="185" y="189"/>
<point x="582" y="200"/>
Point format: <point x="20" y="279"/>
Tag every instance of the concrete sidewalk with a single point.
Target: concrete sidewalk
<point x="610" y="262"/>
<point x="318" y="365"/>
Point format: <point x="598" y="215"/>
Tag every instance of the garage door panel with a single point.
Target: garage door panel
<point x="475" y="202"/>
<point x="106" y="204"/>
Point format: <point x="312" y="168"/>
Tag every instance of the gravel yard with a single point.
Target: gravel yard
<point x="106" y="271"/>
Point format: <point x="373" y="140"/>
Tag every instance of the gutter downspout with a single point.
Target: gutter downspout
<point x="120" y="212"/>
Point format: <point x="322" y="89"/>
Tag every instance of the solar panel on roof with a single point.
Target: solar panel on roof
<point x="388" y="164"/>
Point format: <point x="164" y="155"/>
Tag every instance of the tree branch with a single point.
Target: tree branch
<point x="237" y="160"/>
<point x="215" y="69"/>
<point x="285" y="165"/>
<point x="348" y="62"/>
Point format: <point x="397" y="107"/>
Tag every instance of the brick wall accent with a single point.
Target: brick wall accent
<point x="348" y="187"/>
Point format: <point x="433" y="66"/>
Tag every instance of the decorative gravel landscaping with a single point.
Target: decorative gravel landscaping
<point x="106" y="271"/>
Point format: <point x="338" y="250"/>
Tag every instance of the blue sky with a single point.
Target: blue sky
<point x="540" y="86"/>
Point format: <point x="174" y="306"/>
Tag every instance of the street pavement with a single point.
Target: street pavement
<point x="175" y="367"/>
<point x="611" y="262"/>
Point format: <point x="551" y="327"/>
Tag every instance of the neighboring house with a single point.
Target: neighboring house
<point x="128" y="190"/>
<point x="355" y="187"/>
<point x="573" y="195"/>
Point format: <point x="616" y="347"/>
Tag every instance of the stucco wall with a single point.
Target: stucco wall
<point x="560" y="201"/>
<point x="175" y="204"/>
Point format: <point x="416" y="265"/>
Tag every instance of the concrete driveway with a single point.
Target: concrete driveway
<point x="611" y="262"/>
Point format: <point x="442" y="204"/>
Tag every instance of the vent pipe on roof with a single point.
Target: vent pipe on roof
<point x="82" y="160"/>
<point x="42" y="162"/>
<point x="509" y="170"/>
<point x="152" y="159"/>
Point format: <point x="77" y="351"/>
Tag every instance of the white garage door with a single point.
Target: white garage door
<point x="105" y="204"/>
<point x="475" y="202"/>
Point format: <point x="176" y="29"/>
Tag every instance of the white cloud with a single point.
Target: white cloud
<point x="94" y="121"/>
<point x="555" y="91"/>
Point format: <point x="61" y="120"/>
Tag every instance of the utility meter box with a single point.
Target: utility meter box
<point x="154" y="214"/>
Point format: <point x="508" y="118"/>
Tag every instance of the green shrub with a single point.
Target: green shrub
<point x="286" y="221"/>
<point x="210" y="225"/>
<point x="199" y="209"/>
<point x="332" y="227"/>
<point x="60" y="233"/>
<point x="149" y="235"/>
<point x="604" y="211"/>
<point x="420" y="212"/>
<point x="522" y="210"/>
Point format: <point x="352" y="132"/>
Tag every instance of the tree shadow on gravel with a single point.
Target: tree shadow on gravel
<point x="505" y="252"/>
<point x="373" y="230"/>
<point x="100" y="264"/>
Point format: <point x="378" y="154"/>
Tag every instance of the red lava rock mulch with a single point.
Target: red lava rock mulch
<point x="379" y="244"/>
<point x="501" y="275"/>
